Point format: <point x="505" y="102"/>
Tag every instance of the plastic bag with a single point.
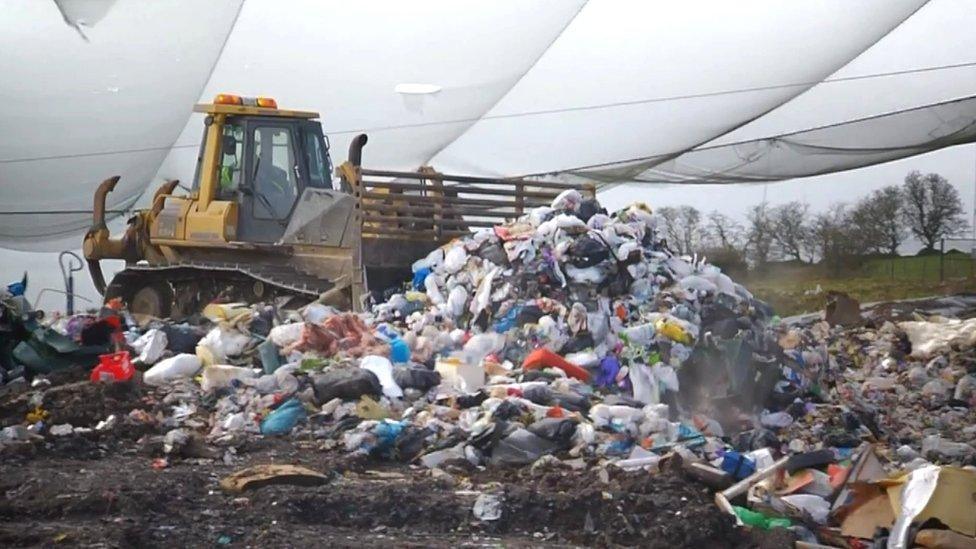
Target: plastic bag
<point x="178" y="367"/>
<point x="284" y="418"/>
<point x="219" y="376"/>
<point x="455" y="259"/>
<point x="569" y="199"/>
<point x="645" y="385"/>
<point x="522" y="447"/>
<point x="383" y="370"/>
<point x="456" y="300"/>
<point x="399" y="351"/>
<point x="463" y="375"/>
<point x="286" y="334"/>
<point x="150" y="346"/>
<point x="224" y="343"/>
<point x="345" y="383"/>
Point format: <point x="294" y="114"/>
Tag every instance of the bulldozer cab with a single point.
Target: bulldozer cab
<point x="265" y="162"/>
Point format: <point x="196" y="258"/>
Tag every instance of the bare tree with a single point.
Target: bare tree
<point x="684" y="231"/>
<point x="877" y="221"/>
<point x="759" y="234"/>
<point x="670" y="216"/>
<point x="790" y="231"/>
<point x="835" y="239"/>
<point x="690" y="227"/>
<point x="932" y="208"/>
<point x="723" y="232"/>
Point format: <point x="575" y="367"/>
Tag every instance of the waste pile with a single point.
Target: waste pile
<point x="568" y="338"/>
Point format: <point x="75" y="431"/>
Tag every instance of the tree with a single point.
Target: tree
<point x="877" y="221"/>
<point x="670" y="216"/>
<point x="834" y="238"/>
<point x="759" y="234"/>
<point x="723" y="232"/>
<point x="932" y="208"/>
<point x="790" y="231"/>
<point x="689" y="229"/>
<point x="684" y="233"/>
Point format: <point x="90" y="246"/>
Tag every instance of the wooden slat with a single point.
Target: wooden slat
<point x="435" y="210"/>
<point x="399" y="234"/>
<point x="458" y="189"/>
<point x="373" y="218"/>
<point x="370" y="196"/>
<point x="474" y="179"/>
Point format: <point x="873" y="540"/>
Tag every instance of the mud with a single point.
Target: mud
<point x="100" y="489"/>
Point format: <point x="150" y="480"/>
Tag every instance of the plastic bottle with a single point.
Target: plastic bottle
<point x="759" y="520"/>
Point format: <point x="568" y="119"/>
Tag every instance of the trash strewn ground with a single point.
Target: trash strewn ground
<point x="564" y="379"/>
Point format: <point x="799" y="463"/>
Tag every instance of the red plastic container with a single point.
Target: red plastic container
<point x="113" y="367"/>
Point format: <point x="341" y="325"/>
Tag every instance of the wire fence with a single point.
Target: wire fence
<point x="955" y="259"/>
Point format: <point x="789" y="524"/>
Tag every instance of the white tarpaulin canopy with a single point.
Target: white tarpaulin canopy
<point x="614" y="90"/>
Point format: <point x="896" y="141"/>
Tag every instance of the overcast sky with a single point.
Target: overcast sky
<point x="957" y="164"/>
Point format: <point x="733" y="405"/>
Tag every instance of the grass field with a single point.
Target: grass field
<point x="792" y="288"/>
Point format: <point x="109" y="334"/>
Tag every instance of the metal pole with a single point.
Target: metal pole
<point x="71" y="295"/>
<point x="942" y="260"/>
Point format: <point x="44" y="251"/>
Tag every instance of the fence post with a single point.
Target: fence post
<point x="942" y="260"/>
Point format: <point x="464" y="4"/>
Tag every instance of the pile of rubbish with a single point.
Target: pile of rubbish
<point x="569" y="338"/>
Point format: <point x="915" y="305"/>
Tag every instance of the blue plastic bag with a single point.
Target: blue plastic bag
<point x="738" y="465"/>
<point x="284" y="418"/>
<point x="419" y="277"/>
<point x="399" y="351"/>
<point x="609" y="368"/>
<point x="507" y="322"/>
<point x="386" y="433"/>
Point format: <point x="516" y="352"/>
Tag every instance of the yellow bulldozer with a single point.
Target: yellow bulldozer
<point x="264" y="221"/>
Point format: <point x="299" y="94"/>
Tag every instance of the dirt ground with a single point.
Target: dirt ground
<point x="99" y="489"/>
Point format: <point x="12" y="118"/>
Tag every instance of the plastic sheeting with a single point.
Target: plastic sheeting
<point x="821" y="150"/>
<point x="91" y="90"/>
<point x="908" y="94"/>
<point x="413" y="75"/>
<point x="634" y="79"/>
<point x="504" y="89"/>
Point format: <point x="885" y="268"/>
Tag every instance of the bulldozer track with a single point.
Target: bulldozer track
<point x="279" y="276"/>
<point x="188" y="286"/>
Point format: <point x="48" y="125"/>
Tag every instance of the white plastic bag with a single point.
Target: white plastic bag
<point x="150" y="346"/>
<point x="219" y="376"/>
<point x="645" y="384"/>
<point x="569" y="199"/>
<point x="383" y="369"/>
<point x="223" y="343"/>
<point x="286" y="334"/>
<point x="455" y="259"/>
<point x="178" y="367"/>
<point x="816" y="506"/>
<point x="456" y="301"/>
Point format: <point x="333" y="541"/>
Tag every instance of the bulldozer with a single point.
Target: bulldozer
<point x="264" y="220"/>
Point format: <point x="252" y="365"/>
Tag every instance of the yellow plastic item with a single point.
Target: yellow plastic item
<point x="37" y="414"/>
<point x="415" y="296"/>
<point x="206" y="355"/>
<point x="673" y="331"/>
<point x="368" y="408"/>
<point x="218" y="312"/>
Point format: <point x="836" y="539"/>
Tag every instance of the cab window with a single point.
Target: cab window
<point x="319" y="169"/>
<point x="231" y="161"/>
<point x="274" y="172"/>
